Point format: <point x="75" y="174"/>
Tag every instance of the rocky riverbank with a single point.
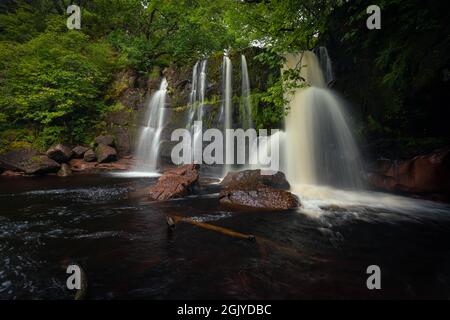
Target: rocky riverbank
<point x="64" y="160"/>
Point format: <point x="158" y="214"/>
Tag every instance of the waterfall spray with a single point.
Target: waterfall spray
<point x="150" y="133"/>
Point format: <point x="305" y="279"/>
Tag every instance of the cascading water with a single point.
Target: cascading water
<point x="320" y="149"/>
<point x="326" y="65"/>
<point x="226" y="110"/>
<point x="197" y="102"/>
<point x="246" y="110"/>
<point x="150" y="133"/>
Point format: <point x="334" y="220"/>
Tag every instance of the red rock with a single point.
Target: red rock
<point x="277" y="180"/>
<point x="10" y="173"/>
<point x="174" y="183"/>
<point x="424" y="174"/>
<point x="257" y="196"/>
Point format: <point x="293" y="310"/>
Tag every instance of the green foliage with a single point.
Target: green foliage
<point x="55" y="81"/>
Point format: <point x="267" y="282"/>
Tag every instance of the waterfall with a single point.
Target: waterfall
<point x="325" y="63"/>
<point x="320" y="148"/>
<point x="197" y="102"/>
<point x="246" y="111"/>
<point x="226" y="109"/>
<point x="150" y="133"/>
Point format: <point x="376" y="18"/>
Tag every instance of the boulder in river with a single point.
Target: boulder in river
<point x="106" y="140"/>
<point x="28" y="160"/>
<point x="89" y="156"/>
<point x="79" y="151"/>
<point x="257" y="197"/>
<point x="60" y="153"/>
<point x="252" y="177"/>
<point x="174" y="183"/>
<point x="105" y="153"/>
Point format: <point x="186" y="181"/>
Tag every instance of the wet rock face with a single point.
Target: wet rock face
<point x="60" y="153"/>
<point x="107" y="140"/>
<point x="252" y="177"/>
<point x="89" y="156"/>
<point x="257" y="196"/>
<point x="122" y="141"/>
<point x="174" y="183"/>
<point x="105" y="153"/>
<point x="424" y="174"/>
<point x="79" y="151"/>
<point x="28" y="160"/>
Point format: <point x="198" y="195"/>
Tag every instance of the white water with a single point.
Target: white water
<point x="320" y="148"/>
<point x="246" y="110"/>
<point x="197" y="102"/>
<point x="149" y="140"/>
<point x="326" y="65"/>
<point x="227" y="106"/>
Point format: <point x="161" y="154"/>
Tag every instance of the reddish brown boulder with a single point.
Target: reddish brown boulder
<point x="257" y="196"/>
<point x="60" y="153"/>
<point x="174" y="183"/>
<point x="9" y="173"/>
<point x="252" y="177"/>
<point x="424" y="174"/>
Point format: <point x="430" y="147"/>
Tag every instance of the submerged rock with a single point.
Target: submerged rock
<point x="174" y="183"/>
<point x="65" y="170"/>
<point x="277" y="180"/>
<point x="60" y="153"/>
<point x="105" y="153"/>
<point x="89" y="156"/>
<point x="28" y="160"/>
<point x="424" y="174"/>
<point x="79" y="151"/>
<point x="107" y="140"/>
<point x="257" y="196"/>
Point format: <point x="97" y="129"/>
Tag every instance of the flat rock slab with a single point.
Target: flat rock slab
<point x="257" y="196"/>
<point x="174" y="183"/>
<point x="253" y="177"/>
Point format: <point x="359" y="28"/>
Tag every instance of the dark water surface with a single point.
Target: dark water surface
<point x="127" y="251"/>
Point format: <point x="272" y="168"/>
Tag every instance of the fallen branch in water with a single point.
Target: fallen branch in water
<point x="172" y="220"/>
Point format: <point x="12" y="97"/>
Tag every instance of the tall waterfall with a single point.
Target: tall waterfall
<point x="246" y="110"/>
<point x="150" y="133"/>
<point x="197" y="102"/>
<point x="227" y="105"/>
<point x="320" y="148"/>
